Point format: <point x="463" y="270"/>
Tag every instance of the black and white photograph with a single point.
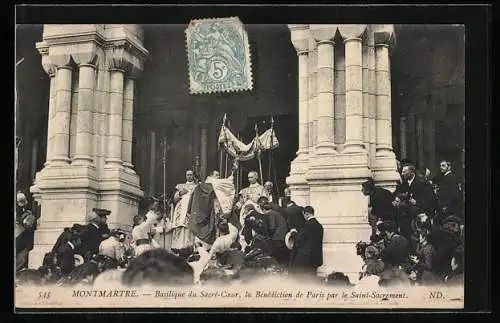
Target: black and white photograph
<point x="220" y="163"/>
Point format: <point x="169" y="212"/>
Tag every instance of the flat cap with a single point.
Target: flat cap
<point x="101" y="212"/>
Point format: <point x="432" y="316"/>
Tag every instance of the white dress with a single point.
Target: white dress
<point x="141" y="232"/>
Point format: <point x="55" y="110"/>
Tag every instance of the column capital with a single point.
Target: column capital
<point x="125" y="55"/>
<point x="326" y="41"/>
<point x="85" y="54"/>
<point x="299" y="35"/>
<point x="349" y="32"/>
<point x="48" y="66"/>
<point x="60" y="56"/>
<point x="384" y="35"/>
<point x="323" y="32"/>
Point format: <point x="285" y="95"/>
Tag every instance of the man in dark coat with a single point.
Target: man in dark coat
<point x="307" y="251"/>
<point x="380" y="203"/>
<point x="293" y="216"/>
<point x="449" y="192"/>
<point x="277" y="231"/>
<point x="95" y="232"/>
<point x="251" y="214"/>
<point x="65" y="254"/>
<point x="419" y="193"/>
<point x="26" y="224"/>
<point x="395" y="251"/>
<point x="445" y="238"/>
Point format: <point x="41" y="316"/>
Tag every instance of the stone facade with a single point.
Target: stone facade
<point x="345" y="131"/>
<point x="92" y="70"/>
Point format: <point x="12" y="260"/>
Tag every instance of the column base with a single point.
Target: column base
<point x="385" y="171"/>
<point x="82" y="160"/>
<point x="59" y="161"/>
<point x="338" y="166"/>
<point x="342" y="209"/>
<point x="120" y="193"/>
<point x="354" y="149"/>
<point x="128" y="167"/>
<point x="66" y="196"/>
<point x="298" y="184"/>
<point x="113" y="163"/>
<point x="325" y="149"/>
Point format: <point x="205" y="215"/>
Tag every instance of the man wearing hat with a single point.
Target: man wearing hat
<point x="380" y="203"/>
<point x="65" y="254"/>
<point x="112" y="248"/>
<point x="307" y="251"/>
<point x="95" y="232"/>
<point x="396" y="247"/>
<point x="26" y="222"/>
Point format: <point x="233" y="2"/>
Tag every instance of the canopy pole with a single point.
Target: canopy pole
<point x="258" y="151"/>
<point x="272" y="161"/>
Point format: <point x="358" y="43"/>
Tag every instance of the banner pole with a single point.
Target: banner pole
<point x="221" y="145"/>
<point x="258" y="151"/>
<point x="271" y="154"/>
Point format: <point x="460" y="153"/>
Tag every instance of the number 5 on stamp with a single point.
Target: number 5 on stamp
<point x="218" y="56"/>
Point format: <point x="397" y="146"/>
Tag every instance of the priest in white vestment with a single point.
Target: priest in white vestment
<point x="182" y="237"/>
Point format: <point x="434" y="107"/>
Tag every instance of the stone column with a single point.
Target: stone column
<point x="385" y="161"/>
<point x="114" y="158"/>
<point x="326" y="99"/>
<point x="366" y="99"/>
<point x="303" y="104"/>
<point x="353" y="87"/>
<point x="50" y="69"/>
<point x="62" y="114"/>
<point x="402" y="137"/>
<point x="372" y="97"/>
<point x="203" y="152"/>
<point x="85" y="121"/>
<point x="313" y="71"/>
<point x="127" y="125"/>
<point x="340" y="103"/>
<point x="300" y="37"/>
<point x="51" y="118"/>
<point x="384" y="134"/>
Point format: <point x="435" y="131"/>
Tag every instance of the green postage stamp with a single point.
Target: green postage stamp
<point x="218" y="56"/>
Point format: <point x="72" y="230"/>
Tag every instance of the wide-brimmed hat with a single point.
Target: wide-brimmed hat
<point x="290" y="238"/>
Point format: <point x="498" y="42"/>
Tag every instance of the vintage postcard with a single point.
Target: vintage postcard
<point x="220" y="163"/>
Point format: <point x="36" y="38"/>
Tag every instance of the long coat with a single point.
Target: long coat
<point x="293" y="216"/>
<point x="449" y="194"/>
<point x="381" y="203"/>
<point x="66" y="259"/>
<point x="308" y="248"/>
<point x="421" y="192"/>
<point x="92" y="238"/>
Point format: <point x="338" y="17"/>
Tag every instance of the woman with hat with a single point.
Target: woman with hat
<point x="141" y="233"/>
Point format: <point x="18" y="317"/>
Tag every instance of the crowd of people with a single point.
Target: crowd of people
<point x="417" y="230"/>
<point x="207" y="232"/>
